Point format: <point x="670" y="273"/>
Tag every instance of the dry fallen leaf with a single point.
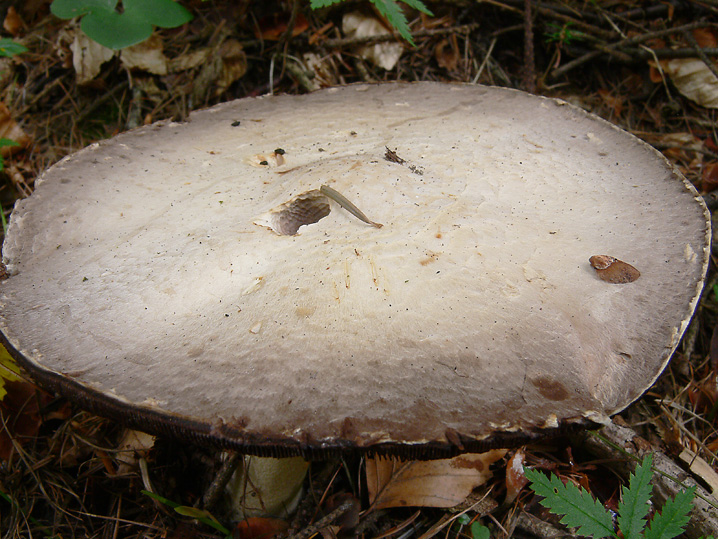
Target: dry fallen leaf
<point x="707" y="38"/>
<point x="515" y="476"/>
<point x="447" y="53"/>
<point x="147" y="56"/>
<point x="234" y="65"/>
<point x="273" y="27"/>
<point x="694" y="80"/>
<point x="190" y="59"/>
<point x="358" y="25"/>
<point x="13" y="23"/>
<point x="21" y="410"/>
<point x="700" y="468"/>
<point x="224" y="66"/>
<point x="434" y="483"/>
<point x="87" y="56"/>
<point x="260" y="528"/>
<point x="709" y="177"/>
<point x="9" y="129"/>
<point x="133" y="446"/>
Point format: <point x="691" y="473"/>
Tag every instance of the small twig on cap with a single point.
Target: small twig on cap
<point x="347" y="205"/>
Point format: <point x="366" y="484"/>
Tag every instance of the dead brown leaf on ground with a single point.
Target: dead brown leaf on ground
<point x="434" y="483"/>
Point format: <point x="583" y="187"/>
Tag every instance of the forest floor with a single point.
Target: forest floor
<point x="647" y="67"/>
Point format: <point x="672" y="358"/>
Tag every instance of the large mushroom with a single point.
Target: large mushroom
<point x="226" y="279"/>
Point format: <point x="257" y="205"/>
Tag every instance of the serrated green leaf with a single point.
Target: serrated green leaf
<point x="579" y="508"/>
<point x="69" y="9"/>
<point x="479" y="531"/>
<point x="633" y="507"/>
<point x="162" y="13"/>
<point x="674" y="516"/>
<point x="317" y="4"/>
<point x="418" y="5"/>
<point x="10" y="48"/>
<point x="393" y="13"/>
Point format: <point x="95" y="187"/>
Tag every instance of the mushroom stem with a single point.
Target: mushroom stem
<point x="267" y="487"/>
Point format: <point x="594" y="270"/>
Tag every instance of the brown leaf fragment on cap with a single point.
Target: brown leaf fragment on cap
<point x="612" y="270"/>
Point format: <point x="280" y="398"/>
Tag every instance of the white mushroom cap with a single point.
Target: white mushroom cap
<point x="147" y="281"/>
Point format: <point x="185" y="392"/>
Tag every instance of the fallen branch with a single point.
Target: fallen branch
<point x="636" y="40"/>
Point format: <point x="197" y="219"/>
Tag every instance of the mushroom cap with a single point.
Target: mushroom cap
<point x="149" y="279"/>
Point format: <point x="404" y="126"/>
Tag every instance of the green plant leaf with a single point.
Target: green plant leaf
<point x="633" y="507"/>
<point x="160" y="499"/>
<point x="579" y="508"/>
<point x="103" y="23"/>
<point x="7" y="142"/>
<point x="393" y="13"/>
<point x="478" y="531"/>
<point x="203" y="516"/>
<point x="418" y="5"/>
<point x="162" y="13"/>
<point x="389" y="9"/>
<point x="115" y="30"/>
<point x="200" y="514"/>
<point x="10" y="48"/>
<point x="9" y="371"/>
<point x="674" y="516"/>
<point x="317" y="4"/>
<point x="4" y="233"/>
<point x="69" y="9"/>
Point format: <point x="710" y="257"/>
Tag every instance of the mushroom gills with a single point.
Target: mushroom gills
<point x="304" y="209"/>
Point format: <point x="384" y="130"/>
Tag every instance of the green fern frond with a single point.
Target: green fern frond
<point x="674" y="516"/>
<point x="389" y="9"/>
<point x="317" y="4"/>
<point x="579" y="508"/>
<point x="633" y="507"/>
